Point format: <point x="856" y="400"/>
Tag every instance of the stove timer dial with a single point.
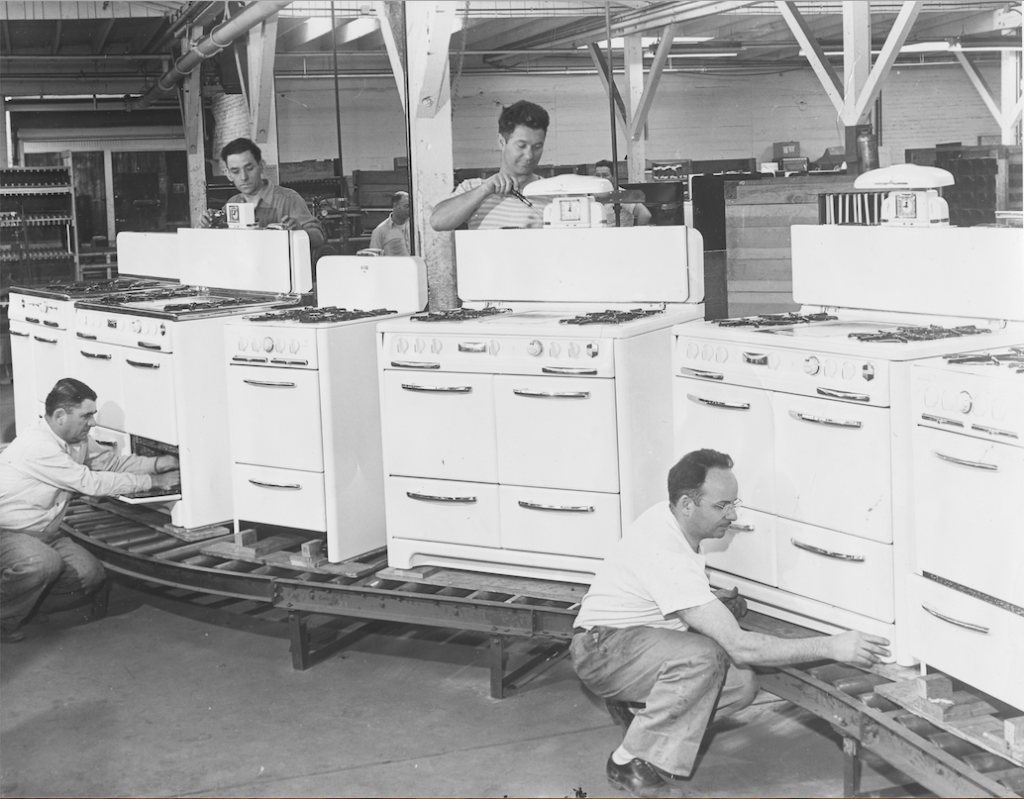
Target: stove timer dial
<point x="811" y="365"/>
<point x="964" y="402"/>
<point x="534" y="348"/>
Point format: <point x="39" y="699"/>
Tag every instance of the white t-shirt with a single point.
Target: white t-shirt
<point x="650" y="573"/>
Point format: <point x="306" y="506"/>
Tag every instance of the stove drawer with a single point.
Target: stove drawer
<point x="557" y="522"/>
<point x="835" y="568"/>
<point x="275" y="417"/>
<point x="284" y="497"/>
<point x="735" y="420"/>
<point x="964" y="484"/>
<point x="969" y="639"/>
<point x="442" y="510"/>
<point x="440" y="425"/>
<point x="97" y="366"/>
<point x="150" y="407"/>
<point x="747" y="549"/>
<point x="557" y="432"/>
<point x="832" y="465"/>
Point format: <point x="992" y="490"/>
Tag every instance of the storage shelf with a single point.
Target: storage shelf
<point x="37" y="215"/>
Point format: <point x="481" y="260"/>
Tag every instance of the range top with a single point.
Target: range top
<point x="1010" y="360"/>
<point x="458" y="314"/>
<point x="611" y="317"/>
<point x="774" y="320"/>
<point x="312" y="316"/>
<point x="904" y="335"/>
<point x="153" y="295"/>
<point x="185" y="302"/>
<point x="70" y="290"/>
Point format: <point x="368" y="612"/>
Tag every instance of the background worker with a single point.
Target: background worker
<point x="275" y="205"/>
<point x="490" y="203"/>
<point x="40" y="472"/>
<point x="651" y="630"/>
<point x="392" y="235"/>
<point x="630" y="214"/>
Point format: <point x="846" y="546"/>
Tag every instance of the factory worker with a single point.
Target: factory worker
<point x="651" y="630"/>
<point x="490" y="203"/>
<point x="40" y="472"/>
<point x="391" y="236"/>
<point x="630" y="214"/>
<point x="275" y="205"/>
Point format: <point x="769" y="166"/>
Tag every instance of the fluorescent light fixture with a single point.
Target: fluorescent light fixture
<point x="1002" y="48"/>
<point x="618" y="42"/>
<point x="703" y="55"/>
<point x="937" y="47"/>
<point x="925" y="47"/>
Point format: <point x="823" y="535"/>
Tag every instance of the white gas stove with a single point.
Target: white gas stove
<point x="155" y="357"/>
<point x="313" y="371"/>
<point x="814" y="408"/>
<point x="524" y="431"/>
<point x="967" y="593"/>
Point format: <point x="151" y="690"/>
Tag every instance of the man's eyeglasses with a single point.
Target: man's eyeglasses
<point x="723" y="507"/>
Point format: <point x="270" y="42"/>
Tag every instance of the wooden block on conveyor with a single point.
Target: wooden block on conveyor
<point x="310" y="554"/>
<point x="252" y="551"/>
<point x="934" y="686"/>
<point x="196" y="533"/>
<point x="348" y="568"/>
<point x="1013" y="734"/>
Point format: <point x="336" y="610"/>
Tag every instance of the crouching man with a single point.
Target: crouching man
<point x="40" y="472"/>
<point x="651" y="630"/>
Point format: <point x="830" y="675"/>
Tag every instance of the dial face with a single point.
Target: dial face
<point x="569" y="209"/>
<point x="906" y="206"/>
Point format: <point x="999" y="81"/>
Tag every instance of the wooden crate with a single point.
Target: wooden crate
<point x="758" y="218"/>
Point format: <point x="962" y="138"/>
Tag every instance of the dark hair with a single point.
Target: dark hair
<point x="239" y="146"/>
<point x="519" y="113"/>
<point x="607" y="163"/>
<point x="397" y="197"/>
<point x="68" y="394"/>
<point x="688" y="476"/>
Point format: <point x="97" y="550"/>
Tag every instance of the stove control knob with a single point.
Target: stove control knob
<point x="964" y="403"/>
<point x="811" y="365"/>
<point x="419" y="345"/>
<point x="435" y="346"/>
<point x="243" y="344"/>
<point x="931" y="396"/>
<point x="707" y="352"/>
<point x="534" y="348"/>
<point x="593" y="349"/>
<point x="493" y="347"/>
<point x="574" y="350"/>
<point x="867" y="371"/>
<point x="692" y="351"/>
<point x="721" y="354"/>
<point x="773" y="360"/>
<point x="402" y="345"/>
<point x="268" y="344"/>
<point x="849" y="370"/>
<point x="136" y="326"/>
<point x="293" y="346"/>
<point x="830" y="368"/>
<point x="554" y="350"/>
<point x="256" y="343"/>
<point x="279" y="345"/>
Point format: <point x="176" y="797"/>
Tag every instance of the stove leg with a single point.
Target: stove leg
<point x="498" y="660"/>
<point x="851" y="767"/>
<point x="299" y="634"/>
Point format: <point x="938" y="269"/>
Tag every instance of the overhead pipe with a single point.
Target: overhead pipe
<point x="219" y="38"/>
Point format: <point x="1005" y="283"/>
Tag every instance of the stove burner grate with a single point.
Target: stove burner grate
<point x="93" y="287"/>
<point x="1013" y="359"/>
<point x="904" y="335"/>
<point x="776" y="320"/>
<point x="458" y="314"/>
<point x="311" y="316"/>
<point x="215" y="302"/>
<point x="149" y="296"/>
<point x="609" y="317"/>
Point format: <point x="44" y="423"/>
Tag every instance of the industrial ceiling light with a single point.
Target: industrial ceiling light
<point x="651" y="42"/>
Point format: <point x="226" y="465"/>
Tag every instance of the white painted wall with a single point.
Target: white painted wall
<point x="694" y="116"/>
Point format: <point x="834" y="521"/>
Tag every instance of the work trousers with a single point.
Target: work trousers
<point x="684" y="678"/>
<point x="58" y="573"/>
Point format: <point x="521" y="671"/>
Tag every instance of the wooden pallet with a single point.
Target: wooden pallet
<point x="517" y="588"/>
<point x="293" y="551"/>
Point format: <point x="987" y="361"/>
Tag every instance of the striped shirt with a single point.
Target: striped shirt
<point x="502" y="211"/>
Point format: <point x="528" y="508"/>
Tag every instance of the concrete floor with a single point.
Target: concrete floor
<point x="171" y="698"/>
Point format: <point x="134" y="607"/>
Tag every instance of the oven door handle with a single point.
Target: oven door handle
<point x="809" y="417"/>
<point x="50" y="323"/>
<point x="927" y="417"/>
<point x="526" y="392"/>
<point x="742" y="528"/>
<point x="100" y="356"/>
<point x="432" y="498"/>
<point x="567" y="370"/>
<point x="988" y="467"/>
<point x="846" y="395"/>
<point x="147" y="346"/>
<point x="755" y="358"/>
<point x="269" y="383"/>
<point x="686" y="371"/>
<point x="994" y="431"/>
<point x="978" y="628"/>
<point x="415" y="365"/>
<point x="288" y="486"/>
<point x="561" y="508"/>
<point x="19" y="333"/>
<point x="141" y="364"/>
<point x="825" y="552"/>
<point x="472" y="346"/>
<point x="32" y="319"/>
<point x="105" y="443"/>
<point x="438" y="389"/>
<point x="86" y="336"/>
<point x="45" y="340"/>
<point x="730" y="406"/>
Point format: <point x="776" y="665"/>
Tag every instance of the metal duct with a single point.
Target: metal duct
<point x="219" y="38"/>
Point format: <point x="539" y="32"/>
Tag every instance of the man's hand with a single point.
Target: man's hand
<point x="206" y="220"/>
<point x="731" y="599"/>
<point x="859" y="649"/>
<point x="500" y="183"/>
<point x="167" y="479"/>
<point x="166" y="463"/>
<point x="288" y="223"/>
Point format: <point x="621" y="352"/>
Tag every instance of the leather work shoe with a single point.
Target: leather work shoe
<point x="637" y="778"/>
<point x="620" y="712"/>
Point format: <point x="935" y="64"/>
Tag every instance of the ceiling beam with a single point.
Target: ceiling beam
<point x="605" y="72"/>
<point x="893" y="42"/>
<point x="99" y="38"/>
<point x="260" y="54"/>
<point x="819" y="63"/>
<point x="643" y="107"/>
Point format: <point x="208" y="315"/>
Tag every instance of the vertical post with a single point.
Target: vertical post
<point x="498" y="659"/>
<point x="1009" y="92"/>
<point x="636" y="152"/>
<point x="195" y="142"/>
<point x="856" y="68"/>
<point x="851" y="767"/>
<point x="4" y="154"/>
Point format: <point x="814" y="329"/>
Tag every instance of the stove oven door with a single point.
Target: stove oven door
<point x="448" y="511"/>
<point x="747" y="549"/>
<point x="581" y="523"/>
<point x="557" y="432"/>
<point x="735" y="420"/>
<point x="97" y="365"/>
<point x="969" y="530"/>
<point x="148" y="381"/>
<point x="440" y="424"/>
<point x="832" y="465"/>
